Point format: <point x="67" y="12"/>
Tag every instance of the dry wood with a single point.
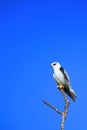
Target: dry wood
<point x="64" y="114"/>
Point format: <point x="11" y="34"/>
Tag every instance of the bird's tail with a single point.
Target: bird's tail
<point x="70" y="92"/>
<point x="73" y="94"/>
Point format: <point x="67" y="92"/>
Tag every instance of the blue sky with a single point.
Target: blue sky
<point x="32" y="35"/>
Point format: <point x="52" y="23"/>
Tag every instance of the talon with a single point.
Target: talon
<point x="60" y="87"/>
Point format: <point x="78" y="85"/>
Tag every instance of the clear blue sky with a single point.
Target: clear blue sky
<point x="32" y="35"/>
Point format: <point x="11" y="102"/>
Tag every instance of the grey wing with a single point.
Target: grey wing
<point x="65" y="74"/>
<point x="66" y="77"/>
<point x="68" y="81"/>
<point x="68" y="89"/>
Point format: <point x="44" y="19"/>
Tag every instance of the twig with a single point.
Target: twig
<point x="64" y="114"/>
<point x="55" y="109"/>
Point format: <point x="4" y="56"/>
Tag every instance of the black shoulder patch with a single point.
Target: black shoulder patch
<point x="62" y="70"/>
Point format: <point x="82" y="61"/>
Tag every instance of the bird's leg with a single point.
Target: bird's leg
<point x="60" y="86"/>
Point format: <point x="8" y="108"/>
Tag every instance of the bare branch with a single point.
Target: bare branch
<point x="64" y="114"/>
<point x="55" y="109"/>
<point x="66" y="100"/>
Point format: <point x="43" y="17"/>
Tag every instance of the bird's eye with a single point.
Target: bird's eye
<point x="54" y="64"/>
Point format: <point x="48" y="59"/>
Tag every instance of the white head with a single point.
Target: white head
<point x="55" y="65"/>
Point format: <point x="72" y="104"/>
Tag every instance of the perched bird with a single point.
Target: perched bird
<point x="62" y="79"/>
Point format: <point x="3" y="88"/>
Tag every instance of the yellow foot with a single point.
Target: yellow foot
<point x="60" y="86"/>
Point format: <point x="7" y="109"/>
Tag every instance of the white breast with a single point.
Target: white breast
<point x="58" y="76"/>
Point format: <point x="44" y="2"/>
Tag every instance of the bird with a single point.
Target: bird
<point x="62" y="79"/>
